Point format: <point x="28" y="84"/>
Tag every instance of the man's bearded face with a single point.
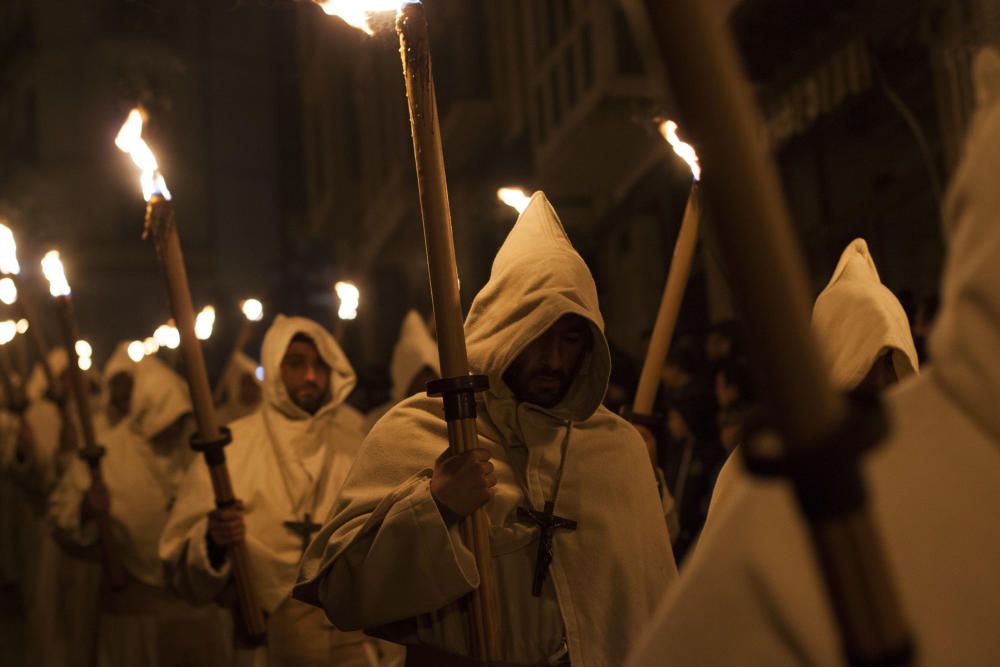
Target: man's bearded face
<point x="544" y="372"/>
<point x="305" y="375"/>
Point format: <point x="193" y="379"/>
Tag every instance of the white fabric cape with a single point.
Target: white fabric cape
<point x="752" y="592"/>
<point x="278" y="440"/>
<point x="232" y="408"/>
<point x="386" y="557"/>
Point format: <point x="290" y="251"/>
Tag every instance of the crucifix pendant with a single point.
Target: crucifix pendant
<point x="548" y="523"/>
<point x="303" y="529"/>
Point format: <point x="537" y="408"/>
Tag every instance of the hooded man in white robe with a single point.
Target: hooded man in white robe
<point x="287" y="462"/>
<point x="241" y="389"/>
<point x="753" y="593"/>
<point x="117" y="380"/>
<point x="146" y="457"/>
<point x="414" y="363"/>
<point x="391" y="558"/>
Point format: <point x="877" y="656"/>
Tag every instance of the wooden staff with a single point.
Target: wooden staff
<point x="210" y="438"/>
<point x="670" y="305"/>
<point x="13" y="391"/>
<point x="25" y="309"/>
<point x="768" y="279"/>
<point x="458" y="386"/>
<point x="91" y="452"/>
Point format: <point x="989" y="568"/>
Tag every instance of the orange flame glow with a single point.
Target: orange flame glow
<point x="52" y="267"/>
<point x="668" y="129"/>
<point x="8" y="252"/>
<point x="358" y="13"/>
<point x="130" y="141"/>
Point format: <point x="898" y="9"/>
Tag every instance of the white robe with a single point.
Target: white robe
<point x="283" y="463"/>
<point x="752" y="593"/>
<point x="231" y="406"/>
<point x="386" y="560"/>
<point x="144" y="623"/>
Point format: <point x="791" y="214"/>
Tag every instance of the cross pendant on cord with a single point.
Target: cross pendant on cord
<point x="548" y="523"/>
<point x="303" y="529"/>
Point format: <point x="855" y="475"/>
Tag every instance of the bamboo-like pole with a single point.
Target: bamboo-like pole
<point x="435" y="210"/>
<point x="670" y="305"/>
<point x="767" y="277"/>
<point x="25" y="308"/>
<point x="91" y="452"/>
<point x="160" y="223"/>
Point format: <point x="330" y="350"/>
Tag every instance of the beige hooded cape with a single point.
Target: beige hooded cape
<point x="283" y="463"/>
<point x="386" y="557"/>
<point x="106" y="416"/>
<point x="752" y="595"/>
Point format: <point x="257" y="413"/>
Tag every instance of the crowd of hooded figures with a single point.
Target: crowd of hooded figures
<point x="352" y="521"/>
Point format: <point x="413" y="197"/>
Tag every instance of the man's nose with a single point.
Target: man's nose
<point x="310" y="373"/>
<point x="553" y="356"/>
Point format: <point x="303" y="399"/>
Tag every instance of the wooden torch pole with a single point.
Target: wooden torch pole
<point x="210" y="438"/>
<point x="670" y="305"/>
<point x="91" y="452"/>
<point x="458" y="386"/>
<point x="767" y="276"/>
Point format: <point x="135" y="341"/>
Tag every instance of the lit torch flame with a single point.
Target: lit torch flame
<point x="8" y="291"/>
<point x="130" y="140"/>
<point x="204" y="322"/>
<point x="53" y="269"/>
<point x="668" y="129"/>
<point x="516" y="198"/>
<point x="253" y="310"/>
<point x="8" y="329"/>
<point x="150" y="346"/>
<point x="22" y="326"/>
<point x="166" y="335"/>
<point x="8" y="252"/>
<point x="357" y="13"/>
<point x="136" y="351"/>
<point x="350" y="297"/>
<point x="83" y="349"/>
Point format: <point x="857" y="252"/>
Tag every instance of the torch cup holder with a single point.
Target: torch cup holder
<point x="459" y="394"/>
<point x="212" y="449"/>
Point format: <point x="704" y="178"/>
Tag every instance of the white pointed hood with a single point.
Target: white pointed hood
<point x="159" y="398"/>
<point x="856" y="318"/>
<point x="118" y="362"/>
<point x="37" y="384"/>
<point x="276" y="340"/>
<point x="537" y="277"/>
<point x="414" y="351"/>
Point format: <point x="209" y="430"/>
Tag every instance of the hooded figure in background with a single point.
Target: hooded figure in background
<point x="117" y="379"/>
<point x="146" y="457"/>
<point x="414" y="364"/>
<point x="391" y="558"/>
<point x="241" y="389"/>
<point x="934" y="489"/>
<point x="287" y="461"/>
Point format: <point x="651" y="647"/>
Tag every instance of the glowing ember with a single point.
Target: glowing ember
<point x="358" y="13"/>
<point x="150" y="346"/>
<point x="253" y="310"/>
<point x="166" y="335"/>
<point x="130" y="141"/>
<point x="53" y="269"/>
<point x="8" y="291"/>
<point x="204" y="322"/>
<point x="516" y="198"/>
<point x="84" y="363"/>
<point x="8" y="329"/>
<point x="22" y="326"/>
<point x="350" y="297"/>
<point x="8" y="252"/>
<point x="136" y="351"/>
<point x="83" y="349"/>
<point x="668" y="129"/>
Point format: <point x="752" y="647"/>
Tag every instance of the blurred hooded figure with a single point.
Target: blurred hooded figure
<point x="414" y="364"/>
<point x="117" y="379"/>
<point x="288" y="461"/>
<point x="241" y="392"/>
<point x="934" y="486"/>
<point x="146" y="457"/>
<point x="391" y="558"/>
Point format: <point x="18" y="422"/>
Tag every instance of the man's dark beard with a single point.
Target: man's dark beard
<point x="309" y="407"/>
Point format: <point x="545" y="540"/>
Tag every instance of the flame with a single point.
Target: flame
<point x="516" y="198"/>
<point x="83" y="349"/>
<point x="130" y="141"/>
<point x="350" y="297"/>
<point x="204" y="323"/>
<point x="8" y="329"/>
<point x="668" y="129"/>
<point x="22" y="326"/>
<point x="150" y="346"/>
<point x="166" y="335"/>
<point x="84" y="363"/>
<point x="136" y="351"/>
<point x="253" y="310"/>
<point x="8" y="291"/>
<point x="8" y="252"/>
<point x="357" y="13"/>
<point x="53" y="269"/>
